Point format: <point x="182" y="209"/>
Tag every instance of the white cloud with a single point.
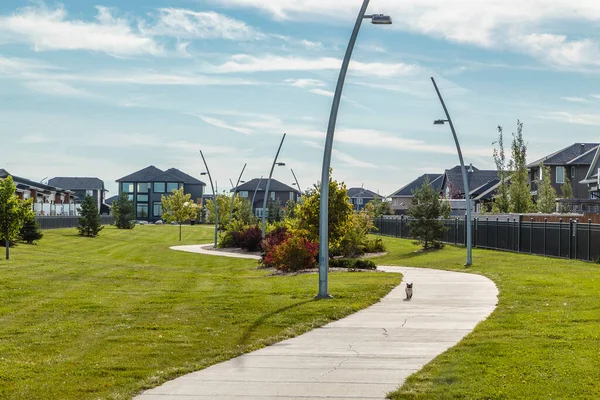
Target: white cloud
<point x="305" y="83"/>
<point x="35" y="139"/>
<point x="222" y="124"/>
<point x="14" y="65"/>
<point x="312" y="45"/>
<point x="322" y="92"/>
<point x="575" y="99"/>
<point x="573" y="118"/>
<point x="266" y="63"/>
<point x="49" y="29"/>
<point x="189" y="24"/>
<point x="56" y="88"/>
<point x="507" y="24"/>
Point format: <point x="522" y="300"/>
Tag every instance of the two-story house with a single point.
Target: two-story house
<point x="402" y="198"/>
<point x="47" y="199"/>
<point x="572" y="162"/>
<point x="255" y="190"/>
<point x="359" y="197"/>
<point x="83" y="187"/>
<point x="147" y="186"/>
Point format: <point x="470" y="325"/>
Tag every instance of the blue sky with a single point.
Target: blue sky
<point x="105" y="88"/>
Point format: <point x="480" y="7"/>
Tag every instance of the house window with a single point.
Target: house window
<point x="157" y="209"/>
<point x="258" y="212"/>
<point x="142" y="210"/>
<point x="243" y="193"/>
<point x="292" y="196"/>
<point x="142" y="197"/>
<point x="143" y="187"/>
<point x="127" y="187"/>
<point x="273" y="196"/>
<point x="359" y="201"/>
<point x="572" y="172"/>
<point x="89" y="192"/>
<point x="560" y="174"/>
<point x="130" y="197"/>
<point x="159" y="187"/>
<point x="541" y="170"/>
<point x="172" y="186"/>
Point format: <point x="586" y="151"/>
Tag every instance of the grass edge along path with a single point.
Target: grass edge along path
<point x="541" y="342"/>
<point x="109" y="317"/>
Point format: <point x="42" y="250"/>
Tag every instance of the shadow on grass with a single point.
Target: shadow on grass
<point x="415" y="253"/>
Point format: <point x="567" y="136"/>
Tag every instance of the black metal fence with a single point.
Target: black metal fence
<point x="57" y="222"/>
<point x="565" y="239"/>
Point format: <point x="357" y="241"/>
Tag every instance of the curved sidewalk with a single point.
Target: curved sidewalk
<point x="362" y="356"/>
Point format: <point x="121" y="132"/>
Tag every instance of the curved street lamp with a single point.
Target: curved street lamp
<point x="468" y="239"/>
<point x="377" y="19"/>
<point x="254" y="195"/>
<point x="269" y="184"/>
<point x="296" y="183"/>
<point x="214" y="197"/>
<point x="234" y="192"/>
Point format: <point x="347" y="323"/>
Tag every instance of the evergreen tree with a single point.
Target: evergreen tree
<point x="546" y="197"/>
<point x="519" y="190"/>
<point x="426" y="210"/>
<point x="89" y="219"/>
<point x="273" y="211"/>
<point x="123" y="211"/>
<point x="30" y="231"/>
<point x="501" y="201"/>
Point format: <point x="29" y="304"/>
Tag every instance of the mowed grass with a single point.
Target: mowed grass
<point x="107" y="317"/>
<point x="541" y="342"/>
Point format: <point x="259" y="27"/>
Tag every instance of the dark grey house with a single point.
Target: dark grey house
<point x="361" y="196"/>
<point x="277" y="192"/>
<point x="402" y="198"/>
<point x="83" y="187"/>
<point x="452" y="185"/>
<point x="147" y="186"/>
<point x="573" y="162"/>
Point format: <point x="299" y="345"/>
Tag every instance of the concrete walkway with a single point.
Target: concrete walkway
<point x="206" y="249"/>
<point x="363" y="356"/>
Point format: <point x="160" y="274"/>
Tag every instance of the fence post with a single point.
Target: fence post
<point x="455" y="231"/>
<point x="497" y="232"/>
<point x="531" y="236"/>
<point x="559" y="237"/>
<point x="487" y="232"/>
<point x="475" y="233"/>
<point x="519" y="233"/>
<point x="465" y="230"/>
<point x="576" y="236"/>
<point x="570" y="235"/>
<point x="545" y="221"/>
<point x="401" y="220"/>
<point x="589" y="239"/>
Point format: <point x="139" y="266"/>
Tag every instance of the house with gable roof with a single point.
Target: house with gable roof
<point x="255" y="189"/>
<point x="402" y="198"/>
<point x="147" y="186"/>
<point x="360" y="196"/>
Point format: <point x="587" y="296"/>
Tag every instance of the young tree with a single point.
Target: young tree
<point x="546" y="197"/>
<point x="501" y="201"/>
<point x="123" y="211"/>
<point x="519" y="191"/>
<point x="566" y="190"/>
<point x="13" y="212"/>
<point x="381" y="207"/>
<point x="426" y="210"/>
<point x="274" y="211"/>
<point x="179" y="207"/>
<point x="89" y="220"/>
<point x="290" y="210"/>
<point x="242" y="211"/>
<point x="340" y="213"/>
<point x="30" y="231"/>
<point x="223" y="203"/>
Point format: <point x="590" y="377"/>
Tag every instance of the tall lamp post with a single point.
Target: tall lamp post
<point x="296" y="179"/>
<point x="234" y="191"/>
<point x="464" y="174"/>
<point x="378" y="19"/>
<point x="269" y="184"/>
<point x="254" y="195"/>
<point x="214" y="197"/>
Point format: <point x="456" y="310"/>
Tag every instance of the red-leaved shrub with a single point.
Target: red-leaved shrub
<point x="273" y="238"/>
<point x="250" y="239"/>
<point x="293" y="254"/>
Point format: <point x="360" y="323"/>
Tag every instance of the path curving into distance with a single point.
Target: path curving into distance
<point x="362" y="356"/>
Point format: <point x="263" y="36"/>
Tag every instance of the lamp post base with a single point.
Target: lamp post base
<point x="320" y="297"/>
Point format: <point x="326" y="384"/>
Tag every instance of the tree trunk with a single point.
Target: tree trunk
<point x="7" y="244"/>
<point x="180" y="232"/>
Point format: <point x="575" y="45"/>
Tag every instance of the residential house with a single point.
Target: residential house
<point x="47" y="199"/>
<point x="452" y="186"/>
<point x="147" y="186"/>
<point x="83" y="187"/>
<point x="255" y="190"/>
<point x="592" y="182"/>
<point x="573" y="162"/>
<point x="361" y="196"/>
<point x="402" y="198"/>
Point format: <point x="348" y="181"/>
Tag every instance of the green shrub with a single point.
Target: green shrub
<point x="234" y="232"/>
<point x="374" y="245"/>
<point x="293" y="254"/>
<point x="361" y="263"/>
<point x="352" y="263"/>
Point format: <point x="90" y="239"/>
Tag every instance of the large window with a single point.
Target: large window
<point x="89" y="192"/>
<point x="127" y="187"/>
<point x="243" y="193"/>
<point x="292" y="196"/>
<point x="157" y="209"/>
<point x="142" y="210"/>
<point x="273" y="196"/>
<point x="143" y="187"/>
<point x="159" y="187"/>
<point x="142" y="197"/>
<point x="172" y="186"/>
<point x="560" y="174"/>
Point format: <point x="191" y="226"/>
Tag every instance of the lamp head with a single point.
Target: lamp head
<point x="440" y="121"/>
<point x="203" y="173"/>
<point x="381" y="19"/>
<point x="281" y="164"/>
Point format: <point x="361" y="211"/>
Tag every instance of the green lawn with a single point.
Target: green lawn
<point x="542" y="341"/>
<point x="85" y="318"/>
